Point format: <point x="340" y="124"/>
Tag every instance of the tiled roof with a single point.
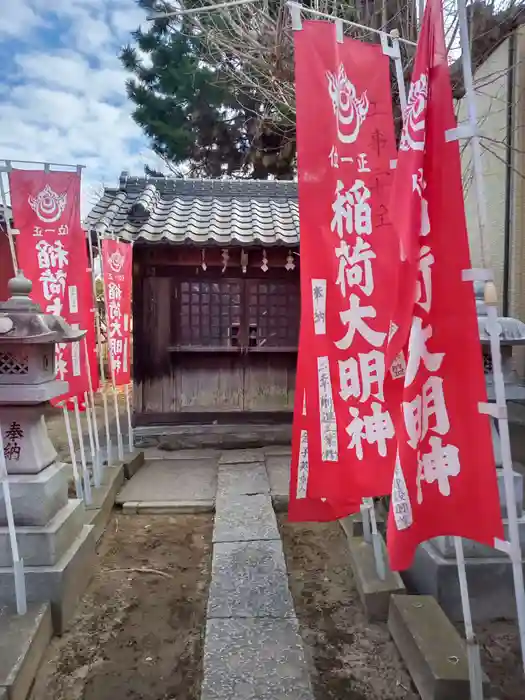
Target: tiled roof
<point x="199" y="211"/>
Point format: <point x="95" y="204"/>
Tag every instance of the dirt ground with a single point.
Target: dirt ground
<point x="139" y="630"/>
<point x="501" y="659"/>
<point x="346" y="650"/>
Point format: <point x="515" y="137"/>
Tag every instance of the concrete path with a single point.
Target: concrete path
<point x="177" y="483"/>
<point x="253" y="649"/>
<point x="186" y="480"/>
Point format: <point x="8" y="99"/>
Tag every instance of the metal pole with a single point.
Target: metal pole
<point x="92" y="420"/>
<point x="493" y="329"/>
<point x="131" y="444"/>
<point x="324" y="15"/>
<point x="474" y="659"/>
<point x="101" y="359"/>
<point x="85" y="472"/>
<point x="76" y="476"/>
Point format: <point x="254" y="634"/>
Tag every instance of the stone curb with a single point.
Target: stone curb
<point x="374" y="592"/>
<point x="431" y="648"/>
<point x="26" y="639"/>
<point x="167" y="507"/>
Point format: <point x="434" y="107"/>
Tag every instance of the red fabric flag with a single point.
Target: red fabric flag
<point x="302" y="507"/>
<point x="445" y="476"/>
<point x="345" y="148"/>
<point x="117" y="270"/>
<point x="52" y="252"/>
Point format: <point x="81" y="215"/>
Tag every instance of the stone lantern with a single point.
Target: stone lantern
<point x="56" y="546"/>
<point x="489" y="571"/>
<point x="28" y="377"/>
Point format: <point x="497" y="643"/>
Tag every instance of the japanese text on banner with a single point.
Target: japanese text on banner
<point x="347" y="243"/>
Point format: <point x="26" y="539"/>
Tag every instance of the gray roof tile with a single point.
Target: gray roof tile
<point x="199" y="211"/>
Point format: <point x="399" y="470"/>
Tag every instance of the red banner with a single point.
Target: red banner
<point x="346" y="146"/>
<point x="117" y="271"/>
<point x="445" y="477"/>
<point x="303" y="507"/>
<point x="51" y="250"/>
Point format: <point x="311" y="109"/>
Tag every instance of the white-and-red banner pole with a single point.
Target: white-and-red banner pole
<point x="493" y="329"/>
<point x="91" y="415"/>
<point x="120" y="444"/>
<point x="85" y="472"/>
<point x="100" y="355"/>
<point x="131" y="445"/>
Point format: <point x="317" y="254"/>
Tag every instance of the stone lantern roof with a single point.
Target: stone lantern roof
<point x="23" y="322"/>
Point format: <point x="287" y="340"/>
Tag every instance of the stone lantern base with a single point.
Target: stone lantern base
<point x="489" y="572"/>
<point x="57" y="548"/>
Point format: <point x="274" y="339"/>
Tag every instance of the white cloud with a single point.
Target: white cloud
<point x="63" y="93"/>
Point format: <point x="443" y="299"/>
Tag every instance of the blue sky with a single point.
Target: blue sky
<point x="62" y="88"/>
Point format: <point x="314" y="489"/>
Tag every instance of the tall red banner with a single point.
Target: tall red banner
<point x="445" y="476"/>
<point x="303" y="507"/>
<point x="51" y="251"/>
<point x="117" y="270"/>
<point x="346" y="147"/>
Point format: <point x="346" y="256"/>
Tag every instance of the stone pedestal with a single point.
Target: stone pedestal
<point x="57" y="548"/>
<point x="489" y="572"/>
<point x="27" y="446"/>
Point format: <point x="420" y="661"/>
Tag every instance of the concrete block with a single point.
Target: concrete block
<point x="278" y="451"/>
<point x="167" y="507"/>
<point x="43" y="546"/>
<point x="254" y="658"/>
<point x="242" y="479"/>
<point x="278" y="469"/>
<point x="445" y="544"/>
<point x="98" y="513"/>
<point x="132" y="463"/>
<point x="23" y="643"/>
<point x="62" y="584"/>
<point x="432" y="650"/>
<point x="249" y="579"/>
<point x="243" y="518"/>
<point x="374" y="592"/>
<point x="280" y="502"/>
<point x="36" y="498"/>
<point x="353" y="525"/>
<point x="490" y="582"/>
<point x="172" y="480"/>
<point x="218" y="436"/>
<point x="241" y="456"/>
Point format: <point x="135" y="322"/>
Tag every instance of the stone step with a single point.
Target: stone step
<point x="254" y="658"/>
<point x="249" y="579"/>
<point x="224" y="437"/>
<point x="167" y="507"/>
<point x="432" y="650"/>
<point x="243" y="518"/>
<point x="36" y="498"/>
<point x="242" y="479"/>
<point x="62" y="584"/>
<point x="44" y="546"/>
<point x="23" y="643"/>
<point x="374" y="592"/>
